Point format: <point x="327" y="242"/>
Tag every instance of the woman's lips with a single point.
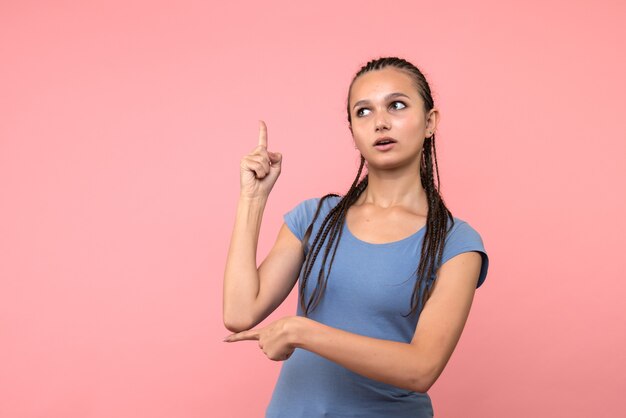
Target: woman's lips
<point x="384" y="143"/>
<point x="385" y="147"/>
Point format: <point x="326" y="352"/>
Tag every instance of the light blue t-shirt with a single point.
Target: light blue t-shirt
<point x="368" y="290"/>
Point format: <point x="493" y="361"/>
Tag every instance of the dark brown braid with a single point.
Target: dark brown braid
<point x="437" y="218"/>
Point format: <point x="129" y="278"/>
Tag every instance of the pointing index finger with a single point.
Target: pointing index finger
<point x="243" y="335"/>
<point x="262" y="134"/>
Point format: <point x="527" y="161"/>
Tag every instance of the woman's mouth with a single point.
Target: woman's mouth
<point x="383" y="144"/>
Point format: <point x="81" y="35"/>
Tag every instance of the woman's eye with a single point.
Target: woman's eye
<point x="396" y="103"/>
<point x="361" y="112"/>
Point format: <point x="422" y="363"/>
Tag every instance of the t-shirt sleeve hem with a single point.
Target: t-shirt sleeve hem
<point x="484" y="264"/>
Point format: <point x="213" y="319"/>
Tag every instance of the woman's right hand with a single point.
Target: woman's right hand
<point x="260" y="168"/>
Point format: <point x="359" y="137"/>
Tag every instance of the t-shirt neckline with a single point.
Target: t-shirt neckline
<point x="382" y="244"/>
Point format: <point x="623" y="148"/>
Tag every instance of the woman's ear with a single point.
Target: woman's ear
<point x="432" y="120"/>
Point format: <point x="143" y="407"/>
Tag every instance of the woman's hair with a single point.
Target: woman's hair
<point x="438" y="213"/>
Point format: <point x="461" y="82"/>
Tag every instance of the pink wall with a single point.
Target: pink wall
<point x="121" y="129"/>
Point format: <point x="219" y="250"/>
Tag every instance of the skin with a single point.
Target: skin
<point x="394" y="204"/>
<point x="392" y="207"/>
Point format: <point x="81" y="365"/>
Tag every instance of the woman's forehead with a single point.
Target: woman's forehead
<point x="380" y="83"/>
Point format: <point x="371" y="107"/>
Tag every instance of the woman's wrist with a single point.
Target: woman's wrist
<point x="253" y="199"/>
<point x="299" y="329"/>
<point x="251" y="208"/>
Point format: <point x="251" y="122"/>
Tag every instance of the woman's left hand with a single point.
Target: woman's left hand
<point x="277" y="340"/>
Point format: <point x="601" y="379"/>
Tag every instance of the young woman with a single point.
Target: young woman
<point x="371" y="263"/>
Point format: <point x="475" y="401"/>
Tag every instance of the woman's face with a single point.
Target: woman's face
<point x="386" y="104"/>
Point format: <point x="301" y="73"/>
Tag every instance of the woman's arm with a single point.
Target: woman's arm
<point x="241" y="278"/>
<point x="250" y="294"/>
<point x="414" y="366"/>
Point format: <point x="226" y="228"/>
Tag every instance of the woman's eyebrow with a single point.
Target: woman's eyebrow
<point x="387" y="97"/>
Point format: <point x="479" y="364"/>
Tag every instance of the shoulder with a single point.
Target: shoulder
<point x="461" y="229"/>
<point x="302" y="214"/>
<point x="463" y="237"/>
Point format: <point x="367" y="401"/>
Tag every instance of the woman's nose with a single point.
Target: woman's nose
<point x="381" y="122"/>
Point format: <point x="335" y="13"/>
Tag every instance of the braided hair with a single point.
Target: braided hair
<point x="332" y="226"/>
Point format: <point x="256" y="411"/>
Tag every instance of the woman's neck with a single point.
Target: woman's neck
<point x="387" y="189"/>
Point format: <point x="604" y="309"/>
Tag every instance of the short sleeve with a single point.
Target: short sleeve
<point x="299" y="218"/>
<point x="463" y="238"/>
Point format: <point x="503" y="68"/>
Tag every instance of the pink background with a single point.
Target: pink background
<point x="121" y="129"/>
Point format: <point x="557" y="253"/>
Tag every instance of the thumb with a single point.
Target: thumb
<point x="276" y="158"/>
